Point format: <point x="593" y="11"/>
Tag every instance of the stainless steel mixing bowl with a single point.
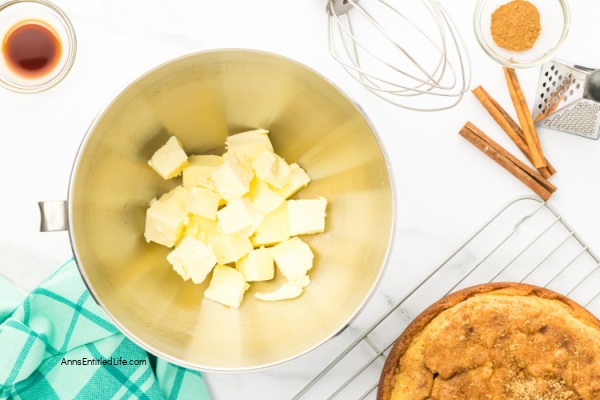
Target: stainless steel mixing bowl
<point x="201" y="98"/>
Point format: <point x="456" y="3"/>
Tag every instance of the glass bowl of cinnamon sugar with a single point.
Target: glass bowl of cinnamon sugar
<point x="521" y="33"/>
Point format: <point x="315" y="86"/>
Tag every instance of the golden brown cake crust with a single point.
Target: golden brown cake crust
<point x="393" y="365"/>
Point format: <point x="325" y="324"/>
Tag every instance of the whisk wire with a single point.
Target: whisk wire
<point x="446" y="77"/>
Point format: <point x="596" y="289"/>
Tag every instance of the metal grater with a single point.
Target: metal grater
<point x="561" y="101"/>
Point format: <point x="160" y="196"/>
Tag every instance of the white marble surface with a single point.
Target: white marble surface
<point x="445" y="187"/>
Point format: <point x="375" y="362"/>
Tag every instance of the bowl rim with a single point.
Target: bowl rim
<point x="545" y="57"/>
<point x="207" y="368"/>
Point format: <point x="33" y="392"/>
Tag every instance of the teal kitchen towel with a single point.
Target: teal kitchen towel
<point x="56" y="343"/>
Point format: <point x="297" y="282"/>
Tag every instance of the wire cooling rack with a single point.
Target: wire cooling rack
<point x="525" y="241"/>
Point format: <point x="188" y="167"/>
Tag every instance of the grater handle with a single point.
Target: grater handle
<point x="591" y="87"/>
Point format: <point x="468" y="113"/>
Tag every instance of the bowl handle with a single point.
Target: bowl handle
<point x="54" y="216"/>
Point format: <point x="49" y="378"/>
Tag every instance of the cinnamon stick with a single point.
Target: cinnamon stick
<point x="518" y="100"/>
<point x="528" y="176"/>
<point x="508" y="125"/>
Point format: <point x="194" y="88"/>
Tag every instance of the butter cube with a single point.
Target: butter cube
<point x="170" y="159"/>
<point x="289" y="290"/>
<point x="200" y="228"/>
<point x="238" y="215"/>
<point x="164" y="224"/>
<point x="249" y="143"/>
<point x="257" y="265"/>
<point x="229" y="248"/>
<point x="298" y="179"/>
<point x="293" y="258"/>
<point x="232" y="179"/>
<point x="272" y="169"/>
<point x="227" y="286"/>
<point x="175" y="198"/>
<point x="198" y="172"/>
<point x="202" y="202"/>
<point x="263" y="198"/>
<point x="306" y="216"/>
<point x="273" y="228"/>
<point x="192" y="259"/>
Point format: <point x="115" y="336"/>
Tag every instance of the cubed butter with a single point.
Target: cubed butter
<point x="257" y="265"/>
<point x="227" y="286"/>
<point x="289" y="290"/>
<point x="263" y="197"/>
<point x="250" y="143"/>
<point x="175" y="198"/>
<point x="198" y="172"/>
<point x="273" y="228"/>
<point x="298" y="179"/>
<point x="229" y="248"/>
<point x="238" y="215"/>
<point x="293" y="257"/>
<point x="201" y="201"/>
<point x="200" y="228"/>
<point x="164" y="224"/>
<point x="306" y="216"/>
<point x="170" y="159"/>
<point x="272" y="169"/>
<point x="232" y="179"/>
<point x="192" y="259"/>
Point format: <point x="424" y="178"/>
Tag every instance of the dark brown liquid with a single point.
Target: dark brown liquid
<point x="31" y="49"/>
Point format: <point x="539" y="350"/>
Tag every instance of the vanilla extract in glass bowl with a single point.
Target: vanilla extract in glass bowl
<point x="38" y="45"/>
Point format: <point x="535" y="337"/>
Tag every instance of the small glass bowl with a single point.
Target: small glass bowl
<point x="13" y="12"/>
<point x="555" y="19"/>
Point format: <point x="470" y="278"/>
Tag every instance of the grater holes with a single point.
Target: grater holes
<point x="545" y="100"/>
<point x="544" y="84"/>
<point x="561" y="93"/>
<point x="542" y="95"/>
<point x="577" y="86"/>
<point x="556" y="72"/>
<point x="547" y="90"/>
<point x="566" y="98"/>
<point x="571" y="92"/>
<point x="560" y="78"/>
<point x="552" y="67"/>
<point x="554" y="83"/>
<point x="544" y="111"/>
<point x="539" y="106"/>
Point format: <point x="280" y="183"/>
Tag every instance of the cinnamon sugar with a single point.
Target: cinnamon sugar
<point x="528" y="389"/>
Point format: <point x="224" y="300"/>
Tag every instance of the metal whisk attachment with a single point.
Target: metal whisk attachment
<point x="409" y="53"/>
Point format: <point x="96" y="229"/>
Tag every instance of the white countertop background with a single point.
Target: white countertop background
<point x="445" y="187"/>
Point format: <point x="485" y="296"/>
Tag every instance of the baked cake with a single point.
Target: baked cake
<point x="497" y="341"/>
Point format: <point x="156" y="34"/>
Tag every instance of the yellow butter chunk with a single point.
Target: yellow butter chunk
<point x="200" y="228"/>
<point x="229" y="248"/>
<point x="201" y="201"/>
<point x="289" y="290"/>
<point x="198" y="172"/>
<point x="164" y="224"/>
<point x="257" y="265"/>
<point x="293" y="258"/>
<point x="272" y="169"/>
<point x="306" y="216"/>
<point x="227" y="286"/>
<point x="175" y="198"/>
<point x="170" y="159"/>
<point x="192" y="259"/>
<point x="273" y="228"/>
<point x="298" y="179"/>
<point x="263" y="197"/>
<point x="250" y="143"/>
<point x="238" y="215"/>
<point x="232" y="179"/>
